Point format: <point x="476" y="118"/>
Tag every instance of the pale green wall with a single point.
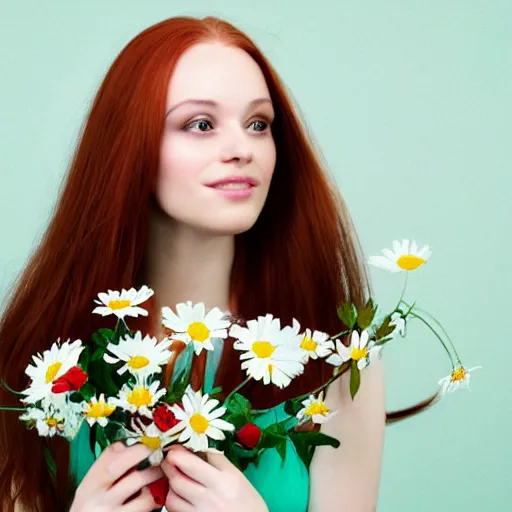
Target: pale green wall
<point x="410" y="102"/>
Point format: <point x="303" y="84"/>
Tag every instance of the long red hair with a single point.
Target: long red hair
<point x="300" y="260"/>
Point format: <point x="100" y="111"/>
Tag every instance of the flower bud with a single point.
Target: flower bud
<point x="249" y="435"/>
<point x="72" y="380"/>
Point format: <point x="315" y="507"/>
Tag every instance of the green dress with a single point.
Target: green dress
<point x="284" y="485"/>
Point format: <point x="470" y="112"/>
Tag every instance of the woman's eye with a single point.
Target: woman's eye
<point x="262" y="125"/>
<point x="201" y="124"/>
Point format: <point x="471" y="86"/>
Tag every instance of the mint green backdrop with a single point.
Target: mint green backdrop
<point x="410" y="104"/>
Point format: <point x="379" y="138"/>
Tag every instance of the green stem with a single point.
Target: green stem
<point x="342" y="369"/>
<point x="339" y="334"/>
<point x="403" y="291"/>
<point x="8" y="388"/>
<point x="238" y="388"/>
<point x="419" y="317"/>
<point x="8" y="408"/>
<point x="440" y="327"/>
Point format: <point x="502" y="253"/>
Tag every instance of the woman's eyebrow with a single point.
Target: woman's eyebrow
<point x="215" y="104"/>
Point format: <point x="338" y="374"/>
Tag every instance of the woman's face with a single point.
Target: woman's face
<point x="217" y="154"/>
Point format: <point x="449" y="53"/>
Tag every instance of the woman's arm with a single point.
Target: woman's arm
<point x="347" y="479"/>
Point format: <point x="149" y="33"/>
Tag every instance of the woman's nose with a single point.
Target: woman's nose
<point x="236" y="146"/>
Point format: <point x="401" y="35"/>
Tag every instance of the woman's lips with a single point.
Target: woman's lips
<point x="235" y="187"/>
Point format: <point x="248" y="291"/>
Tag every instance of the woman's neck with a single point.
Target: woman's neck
<point x="183" y="264"/>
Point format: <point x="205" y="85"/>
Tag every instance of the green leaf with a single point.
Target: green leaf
<point x="178" y="387"/>
<point x="121" y="330"/>
<point x="273" y="435"/>
<point x="87" y="391"/>
<point x="347" y="313"/>
<point x="355" y="379"/>
<point x="305" y="443"/>
<point x="76" y="397"/>
<point x="237" y="404"/>
<point x="281" y="449"/>
<point x="101" y="438"/>
<point x="104" y="376"/>
<point x="83" y="360"/>
<point x="292" y="407"/>
<point x="102" y="338"/>
<point x="216" y="390"/>
<point x="366" y="314"/>
<point x="238" y="410"/>
<point x="384" y="329"/>
<point x="98" y="354"/>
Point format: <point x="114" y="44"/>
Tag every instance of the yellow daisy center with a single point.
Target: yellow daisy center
<point x="118" y="304"/>
<point x="263" y="348"/>
<point x="198" y="331"/>
<point x="52" y="422"/>
<point x="359" y="353"/>
<point x="409" y="262"/>
<point x="138" y="362"/>
<point x="198" y="423"/>
<point x="317" y="408"/>
<point x="140" y="397"/>
<point x="308" y="344"/>
<point x="153" y="443"/>
<point x="52" y="371"/>
<point x="100" y="410"/>
<point x="459" y="374"/>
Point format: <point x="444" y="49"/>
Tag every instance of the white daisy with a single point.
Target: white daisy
<point x="142" y="357"/>
<point x="152" y="437"/>
<point x="48" y="422"/>
<point x="315" y="345"/>
<point x="199" y="420"/>
<point x="314" y="410"/>
<point x="403" y="258"/>
<point x="124" y="303"/>
<point x="138" y="397"/>
<point x="48" y="367"/>
<point x="459" y="378"/>
<point x="193" y="324"/>
<point x="360" y="350"/>
<point x="399" y="322"/>
<point x="97" y="410"/>
<point x="270" y="353"/>
<point x="73" y="419"/>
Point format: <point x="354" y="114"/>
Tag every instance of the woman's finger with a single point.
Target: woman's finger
<point x="132" y="483"/>
<point x="186" y="488"/>
<point x="191" y="465"/>
<point x="142" y="503"/>
<point x="175" y="503"/>
<point x="111" y="465"/>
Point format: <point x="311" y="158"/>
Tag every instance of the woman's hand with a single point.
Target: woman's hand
<point x="213" y="486"/>
<point x="112" y="481"/>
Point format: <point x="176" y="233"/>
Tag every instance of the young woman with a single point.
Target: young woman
<point x="194" y="176"/>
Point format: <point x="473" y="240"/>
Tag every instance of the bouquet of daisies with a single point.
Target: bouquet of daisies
<point x="115" y="381"/>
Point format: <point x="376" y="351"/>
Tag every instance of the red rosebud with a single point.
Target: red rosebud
<point x="159" y="489"/>
<point x="164" y="418"/>
<point x="249" y="435"/>
<point x="72" y="380"/>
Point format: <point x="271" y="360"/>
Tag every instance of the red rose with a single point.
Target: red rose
<point x="249" y="435"/>
<point x="164" y="418"/>
<point x="159" y="489"/>
<point x="72" y="380"/>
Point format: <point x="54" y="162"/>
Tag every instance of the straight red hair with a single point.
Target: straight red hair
<point x="300" y="260"/>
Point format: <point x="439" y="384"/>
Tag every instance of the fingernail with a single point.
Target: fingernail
<point x="143" y="464"/>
